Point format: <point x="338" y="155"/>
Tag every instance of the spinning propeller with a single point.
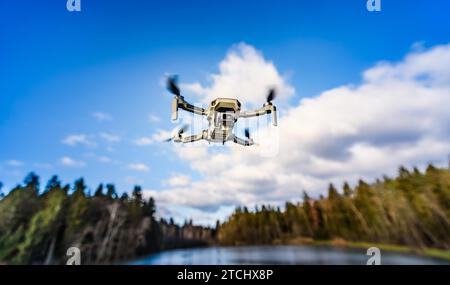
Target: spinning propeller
<point x="178" y="133"/>
<point x="172" y="85"/>
<point x="272" y="94"/>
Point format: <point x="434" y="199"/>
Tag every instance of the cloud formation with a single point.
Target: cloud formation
<point x="109" y="137"/>
<point x="78" y="139"/>
<point x="15" y="163"/>
<point x="138" y="167"/>
<point x="159" y="136"/>
<point x="246" y="75"/>
<point x="398" y="115"/>
<point x="178" y="180"/>
<point x="102" y="116"/>
<point x="70" y="162"/>
<point x="153" y="118"/>
<point x="104" y="159"/>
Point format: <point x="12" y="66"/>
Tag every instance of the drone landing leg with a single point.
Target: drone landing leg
<point x="193" y="138"/>
<point x="242" y="141"/>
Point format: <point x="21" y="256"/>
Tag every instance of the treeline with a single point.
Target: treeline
<point x="37" y="227"/>
<point x="413" y="209"/>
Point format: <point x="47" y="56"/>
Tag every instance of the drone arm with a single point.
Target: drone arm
<point x="179" y="102"/>
<point x="266" y="109"/>
<point x="194" y="109"/>
<point x="253" y="113"/>
<point x="242" y="141"/>
<point x="193" y="138"/>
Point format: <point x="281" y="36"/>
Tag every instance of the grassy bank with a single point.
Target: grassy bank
<point x="425" y="251"/>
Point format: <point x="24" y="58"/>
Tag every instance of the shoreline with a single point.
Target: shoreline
<point x="425" y="251"/>
<point x="335" y="243"/>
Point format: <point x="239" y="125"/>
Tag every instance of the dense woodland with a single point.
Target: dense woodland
<point x="38" y="226"/>
<point x="413" y="209"/>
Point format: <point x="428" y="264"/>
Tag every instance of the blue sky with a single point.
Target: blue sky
<point x="97" y="73"/>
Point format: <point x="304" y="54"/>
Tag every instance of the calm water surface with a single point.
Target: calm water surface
<point x="277" y="255"/>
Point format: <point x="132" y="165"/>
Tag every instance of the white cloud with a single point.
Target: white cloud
<point x="78" y="139"/>
<point x="99" y="158"/>
<point x="159" y="136"/>
<point x="102" y="116"/>
<point x="244" y="74"/>
<point x="177" y="180"/>
<point x="70" y="162"/>
<point x="15" y="163"/>
<point x="138" y="167"/>
<point x="144" y="141"/>
<point x="195" y="88"/>
<point x="153" y="118"/>
<point x="111" y="138"/>
<point x="398" y="115"/>
<point x="104" y="159"/>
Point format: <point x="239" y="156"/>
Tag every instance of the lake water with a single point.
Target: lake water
<point x="277" y="255"/>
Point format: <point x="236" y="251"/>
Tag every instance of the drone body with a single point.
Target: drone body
<point x="221" y="114"/>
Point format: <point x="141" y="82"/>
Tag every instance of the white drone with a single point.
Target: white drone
<point x="222" y="113"/>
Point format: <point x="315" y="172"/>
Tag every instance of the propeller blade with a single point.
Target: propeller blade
<point x="182" y="129"/>
<point x="172" y="85"/>
<point x="247" y="133"/>
<point x="179" y="132"/>
<point x="272" y="94"/>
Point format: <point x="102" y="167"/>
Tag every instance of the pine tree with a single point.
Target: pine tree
<point x="99" y="191"/>
<point x="31" y="182"/>
<point x="53" y="183"/>
<point x="348" y="192"/>
<point x="111" y="191"/>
